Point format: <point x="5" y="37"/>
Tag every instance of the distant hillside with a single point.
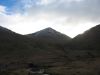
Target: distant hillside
<point x="50" y="35"/>
<point x="90" y="39"/>
<point x="12" y="45"/>
<point x="16" y="48"/>
<point x="44" y="45"/>
<point x="51" y="51"/>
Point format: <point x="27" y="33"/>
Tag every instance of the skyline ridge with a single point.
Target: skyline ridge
<point x="47" y="28"/>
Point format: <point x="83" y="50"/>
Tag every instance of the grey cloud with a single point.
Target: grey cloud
<point x="88" y="10"/>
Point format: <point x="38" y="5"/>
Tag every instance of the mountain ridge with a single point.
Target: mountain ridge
<point x="50" y="35"/>
<point x="89" y="39"/>
<point x="15" y="47"/>
<point x="46" y="31"/>
<point x="56" y="55"/>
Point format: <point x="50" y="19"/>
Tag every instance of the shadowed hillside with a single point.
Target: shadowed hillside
<point x="49" y="52"/>
<point x="16" y="48"/>
<point x="90" y="39"/>
<point x="50" y="35"/>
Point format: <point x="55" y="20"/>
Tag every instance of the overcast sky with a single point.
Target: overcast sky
<point x="70" y="17"/>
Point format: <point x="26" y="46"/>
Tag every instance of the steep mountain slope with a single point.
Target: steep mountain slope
<point x="88" y="40"/>
<point x="50" y="36"/>
<point x="12" y="45"/>
<point x="48" y="49"/>
<point x="18" y="48"/>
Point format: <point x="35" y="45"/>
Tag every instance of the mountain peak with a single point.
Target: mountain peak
<point x="45" y="32"/>
<point x="49" y="34"/>
<point x="48" y="30"/>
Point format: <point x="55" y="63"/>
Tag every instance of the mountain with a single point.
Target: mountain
<point x="12" y="45"/>
<point x="50" y="35"/>
<point x="50" y="51"/>
<point x="90" y="39"/>
<point x="24" y="49"/>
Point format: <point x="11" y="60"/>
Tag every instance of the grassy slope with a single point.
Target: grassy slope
<point x="16" y="51"/>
